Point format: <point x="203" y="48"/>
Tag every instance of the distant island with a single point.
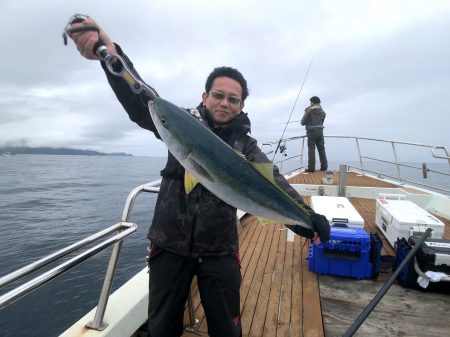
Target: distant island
<point x="12" y="150"/>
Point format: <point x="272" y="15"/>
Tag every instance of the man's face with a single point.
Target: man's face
<point x="224" y="100"/>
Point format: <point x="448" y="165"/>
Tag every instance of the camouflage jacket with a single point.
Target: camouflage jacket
<point x="195" y="224"/>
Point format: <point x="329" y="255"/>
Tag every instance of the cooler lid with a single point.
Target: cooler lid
<point x="406" y="211"/>
<point x="337" y="210"/>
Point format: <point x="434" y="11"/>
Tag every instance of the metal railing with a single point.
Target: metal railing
<point x="363" y="159"/>
<point x="98" y="323"/>
<point x="124" y="228"/>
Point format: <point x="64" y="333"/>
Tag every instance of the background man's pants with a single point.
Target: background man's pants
<point x="315" y="139"/>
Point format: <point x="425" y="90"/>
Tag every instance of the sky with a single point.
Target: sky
<point x="381" y="68"/>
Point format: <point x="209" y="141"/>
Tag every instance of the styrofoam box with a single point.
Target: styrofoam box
<point x="338" y="211"/>
<point x="403" y="218"/>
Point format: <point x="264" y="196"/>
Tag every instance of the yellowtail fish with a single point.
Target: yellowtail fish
<point x="245" y="185"/>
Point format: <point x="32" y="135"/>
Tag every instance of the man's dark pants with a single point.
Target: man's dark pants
<point x="315" y="139"/>
<point x="218" y="279"/>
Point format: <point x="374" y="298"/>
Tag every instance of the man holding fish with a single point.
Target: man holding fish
<point x="213" y="168"/>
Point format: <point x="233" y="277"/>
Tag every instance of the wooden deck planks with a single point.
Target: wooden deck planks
<point x="270" y="326"/>
<point x="251" y="289"/>
<point x="285" y="305"/>
<point x="263" y="297"/>
<point x="353" y="179"/>
<point x="297" y="290"/>
<point x="401" y="312"/>
<point x="312" y="312"/>
<point x="274" y="298"/>
<point x="447" y="227"/>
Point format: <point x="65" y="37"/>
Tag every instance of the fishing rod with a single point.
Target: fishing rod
<point x="367" y="310"/>
<point x="295" y="103"/>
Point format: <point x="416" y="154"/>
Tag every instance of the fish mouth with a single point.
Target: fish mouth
<point x="153" y="113"/>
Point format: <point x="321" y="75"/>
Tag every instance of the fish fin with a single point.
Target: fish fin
<point x="266" y="170"/>
<point x="265" y="221"/>
<point x="200" y="170"/>
<point x="189" y="182"/>
<point x="240" y="154"/>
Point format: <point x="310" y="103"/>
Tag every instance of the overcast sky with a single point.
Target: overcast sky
<point x="381" y="68"/>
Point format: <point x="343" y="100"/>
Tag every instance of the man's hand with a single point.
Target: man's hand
<point x="302" y="231"/>
<point x="316" y="238"/>
<point x="321" y="227"/>
<point x="86" y="40"/>
<point x="320" y="232"/>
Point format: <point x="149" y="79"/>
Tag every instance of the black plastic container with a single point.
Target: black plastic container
<point x="433" y="255"/>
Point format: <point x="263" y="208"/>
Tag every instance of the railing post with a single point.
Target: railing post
<point x="360" y="157"/>
<point x="342" y="179"/>
<point x="98" y="323"/>
<point x="447" y="156"/>
<point x="302" y="148"/>
<point x="396" y="163"/>
<point x="424" y="170"/>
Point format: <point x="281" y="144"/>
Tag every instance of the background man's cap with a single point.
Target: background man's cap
<point x="315" y="100"/>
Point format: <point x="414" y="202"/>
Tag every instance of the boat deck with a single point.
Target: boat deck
<point x="281" y="297"/>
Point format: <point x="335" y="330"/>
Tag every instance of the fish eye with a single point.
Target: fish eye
<point x="163" y="122"/>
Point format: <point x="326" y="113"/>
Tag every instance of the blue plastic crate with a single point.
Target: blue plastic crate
<point x="347" y="253"/>
<point x="407" y="276"/>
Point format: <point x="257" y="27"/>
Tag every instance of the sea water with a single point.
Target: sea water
<point x="50" y="202"/>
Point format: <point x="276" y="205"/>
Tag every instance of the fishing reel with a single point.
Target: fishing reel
<point x="283" y="149"/>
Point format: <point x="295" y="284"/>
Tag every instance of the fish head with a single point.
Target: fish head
<point x="183" y="134"/>
<point x="173" y="126"/>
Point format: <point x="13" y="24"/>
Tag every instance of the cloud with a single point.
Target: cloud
<point x="380" y="67"/>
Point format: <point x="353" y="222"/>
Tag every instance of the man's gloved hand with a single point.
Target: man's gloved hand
<point x="321" y="226"/>
<point x="302" y="231"/>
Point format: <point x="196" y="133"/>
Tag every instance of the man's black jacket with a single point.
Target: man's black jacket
<point x="195" y="224"/>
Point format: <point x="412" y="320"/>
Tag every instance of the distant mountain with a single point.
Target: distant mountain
<point x="56" y="151"/>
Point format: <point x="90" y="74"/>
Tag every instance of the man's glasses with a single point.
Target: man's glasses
<point x="220" y="96"/>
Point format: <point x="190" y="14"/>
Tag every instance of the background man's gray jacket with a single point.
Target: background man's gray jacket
<point x="314" y="117"/>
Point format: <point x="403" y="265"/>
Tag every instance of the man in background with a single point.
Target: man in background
<point x="313" y="120"/>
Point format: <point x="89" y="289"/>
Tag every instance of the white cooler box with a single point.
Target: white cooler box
<point x="403" y="218"/>
<point x="338" y="211"/>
